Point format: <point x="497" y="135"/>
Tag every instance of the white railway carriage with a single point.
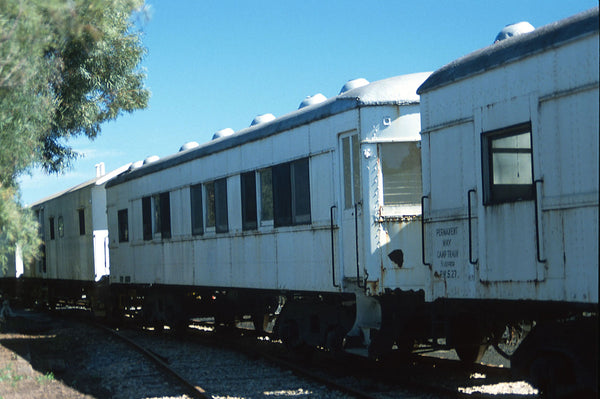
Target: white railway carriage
<point x="510" y="182"/>
<point x="310" y="203"/>
<point x="74" y="231"/>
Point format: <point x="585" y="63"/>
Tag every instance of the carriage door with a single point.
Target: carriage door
<point x="509" y="226"/>
<point x="351" y="204"/>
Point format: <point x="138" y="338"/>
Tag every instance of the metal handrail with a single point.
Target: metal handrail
<point x="423" y="231"/>
<point x="332" y="247"/>
<point x="537" y="228"/>
<point x="356" y="243"/>
<point x="471" y="261"/>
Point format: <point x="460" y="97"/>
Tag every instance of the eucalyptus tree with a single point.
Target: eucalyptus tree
<point x="65" y="68"/>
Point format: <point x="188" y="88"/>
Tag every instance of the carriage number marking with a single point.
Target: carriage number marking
<point x="448" y="252"/>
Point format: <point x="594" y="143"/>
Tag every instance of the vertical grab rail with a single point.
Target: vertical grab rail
<point x="537" y="228"/>
<point x="423" y="231"/>
<point x="471" y="261"/>
<point x="332" y="247"/>
<point x="356" y="244"/>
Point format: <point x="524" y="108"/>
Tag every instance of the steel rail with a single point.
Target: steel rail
<point x="194" y="390"/>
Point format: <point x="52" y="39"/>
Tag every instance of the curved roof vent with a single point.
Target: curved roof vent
<point x="262" y="119"/>
<point x="151" y="159"/>
<point x="311" y="100"/>
<point x="223" y="133"/>
<point x="136" y="164"/>
<point x="514" y="30"/>
<point x="353" y="84"/>
<point x="188" y="146"/>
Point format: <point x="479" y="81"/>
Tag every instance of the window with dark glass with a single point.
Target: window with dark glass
<point x="282" y="195"/>
<point x="300" y="192"/>
<point x="210" y="203"/>
<point x="196" y="208"/>
<point x="147" y="217"/>
<point x="249" y="211"/>
<point x="164" y="216"/>
<point x="61" y="227"/>
<point x="123" y="221"/>
<point x="266" y="195"/>
<point x="221" y="218"/>
<point x="156" y="215"/>
<point x="291" y="193"/>
<point x="51" y="224"/>
<point x="508" y="164"/>
<point x="81" y="213"/>
<point x="216" y="205"/>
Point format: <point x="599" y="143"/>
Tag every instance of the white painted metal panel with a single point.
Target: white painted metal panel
<point x="282" y="258"/>
<point x="557" y="91"/>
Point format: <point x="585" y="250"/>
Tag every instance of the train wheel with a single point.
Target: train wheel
<point x="469" y="338"/>
<point x="290" y="335"/>
<point x="335" y="339"/>
<point x="260" y="321"/>
<point x="471" y="353"/>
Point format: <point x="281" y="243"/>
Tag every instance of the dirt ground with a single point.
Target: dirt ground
<point x="34" y="359"/>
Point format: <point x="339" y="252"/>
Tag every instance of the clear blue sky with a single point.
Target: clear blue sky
<point x="217" y="64"/>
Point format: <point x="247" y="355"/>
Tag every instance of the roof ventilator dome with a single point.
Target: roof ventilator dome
<point x="262" y="119"/>
<point x="151" y="159"/>
<point x="311" y="100"/>
<point x="223" y="133"/>
<point x="514" y="30"/>
<point x="136" y="164"/>
<point x="188" y="146"/>
<point x="353" y="84"/>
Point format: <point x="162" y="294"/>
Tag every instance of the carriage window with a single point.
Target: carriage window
<point x="164" y="217"/>
<point x="147" y="217"/>
<point x="266" y="195"/>
<point x="249" y="214"/>
<point x="81" y="222"/>
<point x="123" y="225"/>
<point x="61" y="227"/>
<point x="291" y="193"/>
<point x="196" y="204"/>
<point x="210" y="204"/>
<point x="51" y="223"/>
<point x="156" y="215"/>
<point x="508" y="164"/>
<point x="216" y="205"/>
<point x="301" y="192"/>
<point x="350" y="154"/>
<point x="401" y="170"/>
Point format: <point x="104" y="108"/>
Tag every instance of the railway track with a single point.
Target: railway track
<point x="205" y="364"/>
<point x="345" y="376"/>
<point x="193" y="390"/>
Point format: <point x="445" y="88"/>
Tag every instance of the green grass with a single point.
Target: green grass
<point x="49" y="376"/>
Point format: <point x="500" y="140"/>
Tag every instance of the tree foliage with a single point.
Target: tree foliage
<point x="65" y="68"/>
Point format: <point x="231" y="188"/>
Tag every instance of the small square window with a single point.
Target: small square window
<point x="508" y="164"/>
